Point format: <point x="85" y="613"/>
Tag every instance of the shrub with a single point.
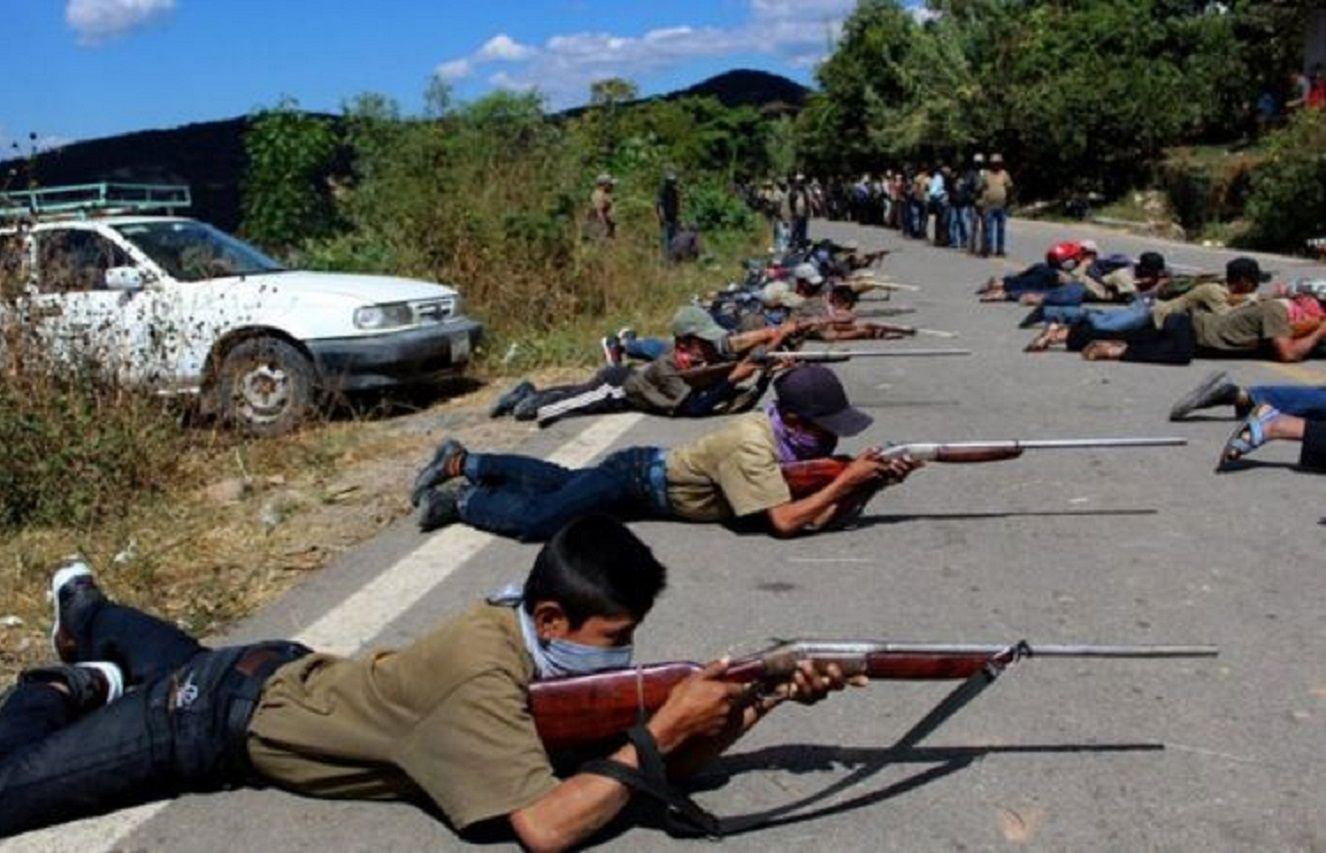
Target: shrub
<point x="1287" y="204"/>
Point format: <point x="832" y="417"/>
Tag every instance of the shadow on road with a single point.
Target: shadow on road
<point x="867" y="762"/>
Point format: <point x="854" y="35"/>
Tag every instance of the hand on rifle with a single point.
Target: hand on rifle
<point x="892" y="470"/>
<point x="809" y="684"/>
<point x="702" y="705"/>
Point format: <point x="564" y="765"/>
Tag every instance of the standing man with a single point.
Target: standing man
<point x="977" y="242"/>
<point x="603" y="218"/>
<point x="800" y="208"/>
<point x="937" y="199"/>
<point x="668" y="208"/>
<point x="994" y="198"/>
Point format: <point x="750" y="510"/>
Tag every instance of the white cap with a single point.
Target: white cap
<point x="779" y="294"/>
<point x="1090" y="246"/>
<point x="807" y="272"/>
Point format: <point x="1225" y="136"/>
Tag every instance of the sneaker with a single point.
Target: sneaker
<point x="90" y="685"/>
<point x="447" y="463"/>
<point x="507" y="402"/>
<point x="527" y="409"/>
<point x="1217" y="389"/>
<point x="73" y="589"/>
<point x="441" y="505"/>
<point x="613" y="351"/>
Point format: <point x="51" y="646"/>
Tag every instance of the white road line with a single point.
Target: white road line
<point x="342" y="630"/>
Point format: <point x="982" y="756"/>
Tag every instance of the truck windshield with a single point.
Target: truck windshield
<point x="194" y="251"/>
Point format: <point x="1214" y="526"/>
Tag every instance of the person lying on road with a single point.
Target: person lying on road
<point x="139" y="711"/>
<point x="732" y="473"/>
<point x="1219" y="389"/>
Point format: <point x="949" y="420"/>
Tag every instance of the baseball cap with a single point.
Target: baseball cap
<point x="779" y="294"/>
<point x="1090" y="246"/>
<point x="605" y="178"/>
<point x="813" y="392"/>
<point x="996" y="158"/>
<point x="978" y="158"/>
<point x="1245" y="269"/>
<point x="692" y="321"/>
<point x="1150" y="263"/>
<point x="807" y="272"/>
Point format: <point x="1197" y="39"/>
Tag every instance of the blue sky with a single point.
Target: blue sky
<point x="99" y="67"/>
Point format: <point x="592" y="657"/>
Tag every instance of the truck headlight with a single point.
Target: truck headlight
<point x="383" y="316"/>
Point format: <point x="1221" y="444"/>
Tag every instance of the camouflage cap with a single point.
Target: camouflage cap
<point x="692" y="321"/>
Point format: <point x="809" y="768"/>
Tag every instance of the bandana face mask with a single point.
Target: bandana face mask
<point x="555" y="658"/>
<point x="795" y="444"/>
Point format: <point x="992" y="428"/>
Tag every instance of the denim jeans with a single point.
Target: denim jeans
<point x="530" y="499"/>
<point x="668" y="230"/>
<point x="1037" y="278"/>
<point x="995" y="219"/>
<point x="1303" y="401"/>
<point x="180" y="727"/>
<point x="800" y="231"/>
<point x="1135" y="315"/>
<point x="780" y="230"/>
<point x="644" y="349"/>
<point x="959" y="226"/>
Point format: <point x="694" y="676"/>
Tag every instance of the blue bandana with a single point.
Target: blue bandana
<point x="556" y="658"/>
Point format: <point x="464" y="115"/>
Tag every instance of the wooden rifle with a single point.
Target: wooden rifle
<point x="581" y="711"/>
<point x="807" y="477"/>
<point x="708" y="374"/>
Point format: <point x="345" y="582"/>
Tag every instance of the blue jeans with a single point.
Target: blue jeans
<point x="530" y="499"/>
<point x="644" y="349"/>
<point x="995" y="218"/>
<point x="1303" y="401"/>
<point x="780" y="230"/>
<point x="959" y="226"/>
<point x="1135" y="315"/>
<point x="668" y="231"/>
<point x="800" y="231"/>
<point x="180" y="727"/>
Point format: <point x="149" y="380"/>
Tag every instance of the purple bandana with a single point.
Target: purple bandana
<point x="793" y="445"/>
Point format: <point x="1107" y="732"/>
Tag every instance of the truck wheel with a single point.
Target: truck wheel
<point x="265" y="387"/>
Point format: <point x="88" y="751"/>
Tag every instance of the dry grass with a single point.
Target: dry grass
<point x="243" y="522"/>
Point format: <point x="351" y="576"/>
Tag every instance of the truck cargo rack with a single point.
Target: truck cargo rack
<point x="86" y="200"/>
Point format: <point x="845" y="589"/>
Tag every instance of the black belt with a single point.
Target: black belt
<point x="248" y="677"/>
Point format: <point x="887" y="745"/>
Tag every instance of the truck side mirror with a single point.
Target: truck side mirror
<point x="124" y="278"/>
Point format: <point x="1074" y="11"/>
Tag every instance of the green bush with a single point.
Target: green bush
<point x="714" y="208"/>
<point x="1287" y="204"/>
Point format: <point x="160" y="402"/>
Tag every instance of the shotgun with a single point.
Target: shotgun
<point x="809" y="476"/>
<point x="710" y="373"/>
<point x="579" y="711"/>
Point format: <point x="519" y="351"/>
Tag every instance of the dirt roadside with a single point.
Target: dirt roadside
<point x="259" y="518"/>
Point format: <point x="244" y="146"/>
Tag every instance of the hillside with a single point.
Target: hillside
<point x="209" y="156"/>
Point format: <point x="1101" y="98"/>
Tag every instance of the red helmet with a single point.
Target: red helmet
<point x="1064" y="255"/>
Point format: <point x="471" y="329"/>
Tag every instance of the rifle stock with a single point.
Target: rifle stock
<point x="580" y="711"/>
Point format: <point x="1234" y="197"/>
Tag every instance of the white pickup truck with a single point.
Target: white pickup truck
<point x="178" y="306"/>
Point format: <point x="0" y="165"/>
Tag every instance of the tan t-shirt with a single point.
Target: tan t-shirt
<point x="729" y="473"/>
<point x="446" y="717"/>
<point x="998" y="183"/>
<point x="1205" y="298"/>
<point x="1244" y="328"/>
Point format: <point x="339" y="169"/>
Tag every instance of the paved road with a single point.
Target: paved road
<point x="1106" y="546"/>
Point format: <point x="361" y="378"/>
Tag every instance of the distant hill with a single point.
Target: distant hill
<point x="748" y="87"/>
<point x="209" y="156"/>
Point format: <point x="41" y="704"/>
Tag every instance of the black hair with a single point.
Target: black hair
<point x="844" y="293"/>
<point x="595" y="566"/>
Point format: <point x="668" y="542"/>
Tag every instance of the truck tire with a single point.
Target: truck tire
<point x="265" y="387"/>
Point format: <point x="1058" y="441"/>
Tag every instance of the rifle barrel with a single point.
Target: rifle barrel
<point x="845" y="648"/>
<point x="883" y="353"/>
<point x="1068" y="443"/>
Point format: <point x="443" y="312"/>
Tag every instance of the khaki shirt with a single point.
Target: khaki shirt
<point x="1206" y="298"/>
<point x="657" y="387"/>
<point x="1111" y="287"/>
<point x="1244" y="328"/>
<point x="446" y="717"/>
<point x="998" y="183"/>
<point x="730" y="473"/>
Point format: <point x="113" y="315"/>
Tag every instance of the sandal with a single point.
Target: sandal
<point x="1247" y="436"/>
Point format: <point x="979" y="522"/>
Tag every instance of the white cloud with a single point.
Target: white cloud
<point x="96" y="21"/>
<point x="799" y="32"/>
<point x="456" y="69"/>
<point x="503" y="47"/>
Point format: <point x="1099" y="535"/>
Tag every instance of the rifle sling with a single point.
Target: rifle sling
<point x="682" y="815"/>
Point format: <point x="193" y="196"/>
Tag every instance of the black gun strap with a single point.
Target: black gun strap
<point x="682" y="815"/>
